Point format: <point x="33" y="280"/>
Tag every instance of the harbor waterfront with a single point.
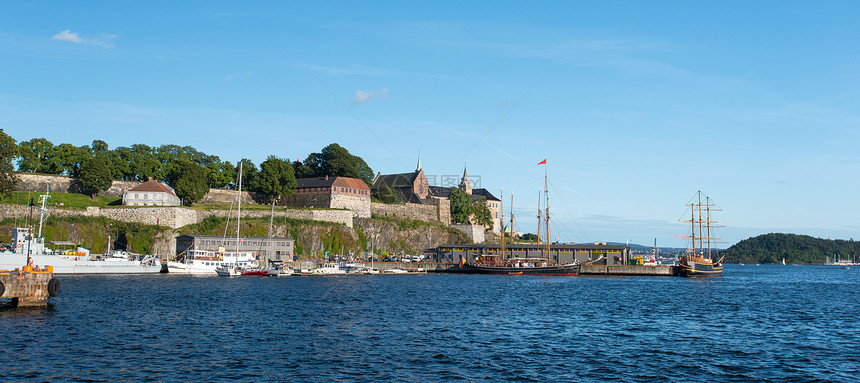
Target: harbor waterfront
<point x="769" y="322"/>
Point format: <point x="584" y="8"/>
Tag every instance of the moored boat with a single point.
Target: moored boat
<point x="29" y="249"/>
<point x="699" y="260"/>
<point x="497" y="264"/>
<point x="206" y="262"/>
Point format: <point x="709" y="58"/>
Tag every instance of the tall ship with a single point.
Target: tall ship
<point x="498" y="264"/>
<point x="698" y="260"/>
<point x="28" y="249"/>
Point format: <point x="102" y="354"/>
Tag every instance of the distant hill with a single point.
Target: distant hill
<point x="772" y="248"/>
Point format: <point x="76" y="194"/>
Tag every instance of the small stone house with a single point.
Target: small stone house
<point x="332" y="192"/>
<point x="150" y="193"/>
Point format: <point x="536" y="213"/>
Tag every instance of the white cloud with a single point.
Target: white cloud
<point x="68" y="35"/>
<point x="104" y="40"/>
<point x="365" y="96"/>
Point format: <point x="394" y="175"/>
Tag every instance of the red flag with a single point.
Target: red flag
<point x="542" y="162"/>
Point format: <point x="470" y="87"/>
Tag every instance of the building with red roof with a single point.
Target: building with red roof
<point x="150" y="193"/>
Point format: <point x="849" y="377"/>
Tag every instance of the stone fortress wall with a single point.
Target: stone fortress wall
<point x="433" y="210"/>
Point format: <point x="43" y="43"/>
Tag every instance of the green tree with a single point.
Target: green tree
<point x="221" y="174"/>
<point x="302" y="170"/>
<point x="529" y="237"/>
<point x="461" y="205"/>
<point x="334" y="160"/>
<point x="249" y="174"/>
<point x="145" y="163"/>
<point x="67" y="159"/>
<point x="189" y="181"/>
<point x="387" y="194"/>
<point x="99" y="148"/>
<point x="481" y="213"/>
<point x="35" y="156"/>
<point x="8" y="152"/>
<point x="276" y="177"/>
<point x="95" y="175"/>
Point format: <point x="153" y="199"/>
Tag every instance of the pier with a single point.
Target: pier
<point x="629" y="270"/>
<point x="28" y="287"/>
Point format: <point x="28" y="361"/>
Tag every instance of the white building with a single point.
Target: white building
<point x="150" y="193"/>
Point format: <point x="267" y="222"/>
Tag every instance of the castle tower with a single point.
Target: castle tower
<point x="465" y="184"/>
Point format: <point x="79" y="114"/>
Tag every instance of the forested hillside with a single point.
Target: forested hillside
<point x="772" y="248"/>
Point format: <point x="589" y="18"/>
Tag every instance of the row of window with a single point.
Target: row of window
<point x="246" y="243"/>
<point x="333" y="189"/>
<point x="148" y="195"/>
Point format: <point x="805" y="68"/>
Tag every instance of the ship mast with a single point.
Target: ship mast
<point x="538" y="217"/>
<point x="701" y="237"/>
<point x="708" y="218"/>
<point x="546" y="190"/>
<point x="238" y="213"/>
<point x="502" y="221"/>
<point x="512" y="223"/>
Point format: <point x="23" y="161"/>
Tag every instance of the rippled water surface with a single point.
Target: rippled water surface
<point x="755" y="323"/>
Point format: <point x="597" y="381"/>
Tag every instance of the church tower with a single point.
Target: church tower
<point x="465" y="184"/>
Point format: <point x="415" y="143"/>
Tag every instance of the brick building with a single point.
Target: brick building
<point x="332" y="192"/>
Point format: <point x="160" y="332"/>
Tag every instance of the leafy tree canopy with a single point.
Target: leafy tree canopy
<point x="386" y="194"/>
<point x="529" y="237"/>
<point x="481" y="213"/>
<point x="8" y="152"/>
<point x="95" y="175"/>
<point x="276" y="177"/>
<point x="461" y="205"/>
<point x="35" y="156"/>
<point x="189" y="181"/>
<point x="334" y="160"/>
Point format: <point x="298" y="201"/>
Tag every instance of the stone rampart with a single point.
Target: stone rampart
<point x="434" y="210"/>
<point x="229" y="196"/>
<point x="176" y="217"/>
<point x="476" y="232"/>
<point x="360" y="205"/>
<point x="21" y="213"/>
<point x="171" y="216"/>
<point x="60" y="184"/>
<point x="343" y="217"/>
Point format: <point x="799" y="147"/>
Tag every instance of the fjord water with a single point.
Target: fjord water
<point x="754" y="323"/>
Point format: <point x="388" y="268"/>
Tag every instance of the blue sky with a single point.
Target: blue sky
<point x="636" y="105"/>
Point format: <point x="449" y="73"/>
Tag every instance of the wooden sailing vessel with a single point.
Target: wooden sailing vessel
<point x="699" y="260"/>
<point x="524" y="266"/>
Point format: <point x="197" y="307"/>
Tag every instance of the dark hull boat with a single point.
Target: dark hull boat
<point x="694" y="266"/>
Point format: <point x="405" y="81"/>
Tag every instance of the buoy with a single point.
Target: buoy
<point x="54" y="287"/>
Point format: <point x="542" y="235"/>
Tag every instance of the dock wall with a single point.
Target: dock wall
<point x="626" y="270"/>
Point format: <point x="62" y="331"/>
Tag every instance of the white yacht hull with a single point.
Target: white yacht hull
<point x="64" y="264"/>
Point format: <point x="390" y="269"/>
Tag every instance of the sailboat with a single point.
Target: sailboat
<point x="228" y="269"/>
<point x="527" y="265"/>
<point x="698" y="259"/>
<point x="259" y="270"/>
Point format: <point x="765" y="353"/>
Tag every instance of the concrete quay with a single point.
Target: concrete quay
<point x="629" y="270"/>
<point x="28" y="287"/>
